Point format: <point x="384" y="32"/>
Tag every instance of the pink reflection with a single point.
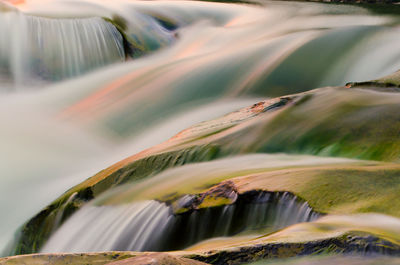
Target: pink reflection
<point x="15" y="2"/>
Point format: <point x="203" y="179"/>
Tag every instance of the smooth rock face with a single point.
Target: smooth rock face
<point x="389" y="83"/>
<point x="334" y="260"/>
<point x="152" y="226"/>
<point x="64" y="259"/>
<point x="105" y="258"/>
<point x="221" y="194"/>
<point x="156" y="259"/>
<point x="202" y="201"/>
<point x="301" y="123"/>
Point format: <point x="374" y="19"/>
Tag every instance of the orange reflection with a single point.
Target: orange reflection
<point x="15" y="2"/>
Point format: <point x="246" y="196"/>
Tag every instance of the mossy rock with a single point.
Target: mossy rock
<point x="331" y="234"/>
<point x="329" y="185"/>
<point x="369" y="234"/>
<point x="347" y="122"/>
<point x="147" y="163"/>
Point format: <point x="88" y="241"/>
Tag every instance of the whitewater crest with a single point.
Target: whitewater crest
<point x="34" y="49"/>
<point x="152" y="225"/>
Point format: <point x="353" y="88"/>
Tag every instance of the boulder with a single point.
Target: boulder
<point x="337" y="121"/>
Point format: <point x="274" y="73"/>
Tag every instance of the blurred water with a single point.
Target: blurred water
<point x="151" y="226"/>
<point x="201" y="60"/>
<point x="34" y="50"/>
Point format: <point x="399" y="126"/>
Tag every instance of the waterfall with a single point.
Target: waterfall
<point x="34" y="50"/>
<point x="152" y="225"/>
<point x="215" y="58"/>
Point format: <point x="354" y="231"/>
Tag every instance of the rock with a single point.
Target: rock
<point x="65" y="258"/>
<point x="365" y="234"/>
<point x="389" y="83"/>
<point x="99" y="258"/>
<point x="334" y="260"/>
<point x="328" y="122"/>
<point x="221" y="194"/>
<point x="362" y="234"/>
<point x="156" y="259"/>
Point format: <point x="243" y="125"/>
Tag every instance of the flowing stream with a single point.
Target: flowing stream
<point x="151" y="226"/>
<point x="73" y="102"/>
<point x="43" y="49"/>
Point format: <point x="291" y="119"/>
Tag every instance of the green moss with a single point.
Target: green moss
<point x="37" y="230"/>
<point x="340" y="127"/>
<point x="352" y="191"/>
<point x="214" y="202"/>
<point x="331" y="121"/>
<point x="349" y="243"/>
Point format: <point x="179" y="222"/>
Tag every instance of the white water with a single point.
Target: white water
<point x="148" y="225"/>
<point x="34" y="50"/>
<point x="151" y="226"/>
<point x="56" y="135"/>
<point x="43" y="154"/>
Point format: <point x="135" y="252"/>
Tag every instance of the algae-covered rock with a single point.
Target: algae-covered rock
<point x="329" y="121"/>
<point x="348" y="234"/>
<point x="366" y="234"/>
<point x="329" y="185"/>
<point x="156" y="259"/>
<point x="221" y="194"/>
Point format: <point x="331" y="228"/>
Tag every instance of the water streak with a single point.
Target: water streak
<point x="152" y="226"/>
<point x="221" y="54"/>
<point x="36" y="49"/>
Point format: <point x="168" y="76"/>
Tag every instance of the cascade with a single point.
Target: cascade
<point x="152" y="225"/>
<point x="215" y="59"/>
<point x="34" y="50"/>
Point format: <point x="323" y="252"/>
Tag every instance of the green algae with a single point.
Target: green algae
<point x="330" y="121"/>
<point x="348" y="243"/>
<point x="36" y="231"/>
<point x="342" y="128"/>
<point x="354" y="191"/>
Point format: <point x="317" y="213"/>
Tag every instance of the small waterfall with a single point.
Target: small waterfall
<point x="152" y="226"/>
<point x="36" y="49"/>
